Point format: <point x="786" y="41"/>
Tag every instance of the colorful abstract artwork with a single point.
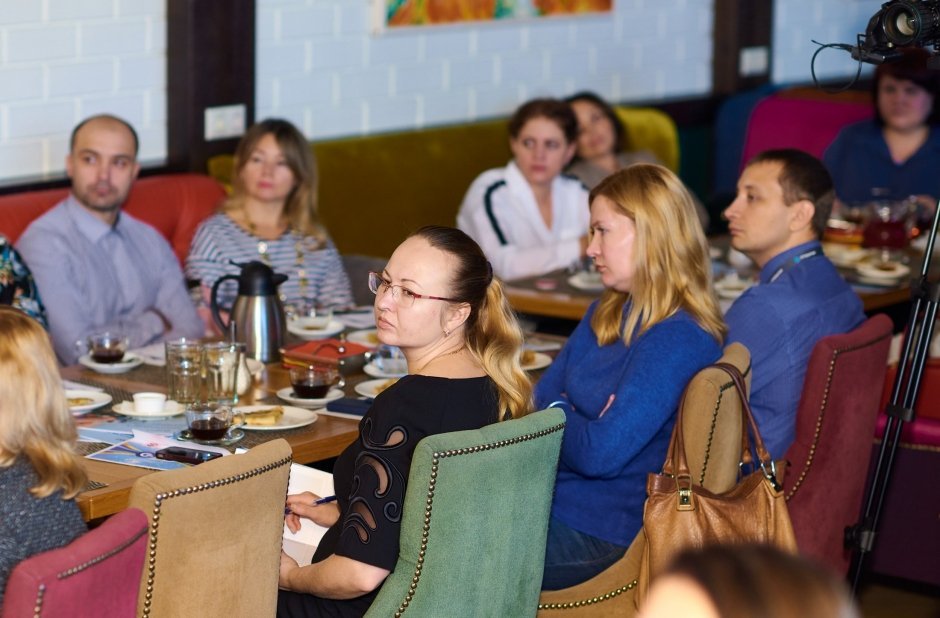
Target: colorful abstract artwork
<point x="429" y="12"/>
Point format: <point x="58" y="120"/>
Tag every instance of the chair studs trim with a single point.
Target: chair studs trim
<point x="78" y="568"/>
<point x="711" y="430"/>
<point x="426" y="529"/>
<point x="160" y="498"/>
<point x="591" y="601"/>
<point x="101" y="558"/>
<point x="820" y="417"/>
<point x="37" y="608"/>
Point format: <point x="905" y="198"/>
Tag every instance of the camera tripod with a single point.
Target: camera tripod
<point x="925" y="297"/>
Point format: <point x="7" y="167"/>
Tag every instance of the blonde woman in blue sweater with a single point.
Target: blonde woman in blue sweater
<point x="621" y="374"/>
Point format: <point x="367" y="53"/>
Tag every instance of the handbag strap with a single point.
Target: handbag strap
<point x="676" y="457"/>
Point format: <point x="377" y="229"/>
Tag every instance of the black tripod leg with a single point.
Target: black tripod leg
<point x="919" y="331"/>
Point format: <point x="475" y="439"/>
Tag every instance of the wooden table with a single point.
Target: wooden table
<point x="567" y="302"/>
<point x="324" y="439"/>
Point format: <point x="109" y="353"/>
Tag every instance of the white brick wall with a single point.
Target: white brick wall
<point x="63" y="60"/>
<point x="798" y="22"/>
<point x="319" y="66"/>
<point x="646" y="49"/>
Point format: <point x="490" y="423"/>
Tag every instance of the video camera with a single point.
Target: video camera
<point x="900" y="23"/>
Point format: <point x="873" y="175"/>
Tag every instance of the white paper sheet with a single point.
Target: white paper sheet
<point x="302" y="545"/>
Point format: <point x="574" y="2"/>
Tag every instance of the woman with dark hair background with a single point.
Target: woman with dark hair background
<point x="895" y="155"/>
<point x="602" y="141"/>
<point x="604" y="145"/>
<point x="528" y="218"/>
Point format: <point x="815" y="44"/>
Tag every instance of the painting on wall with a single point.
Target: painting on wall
<point x="403" y="13"/>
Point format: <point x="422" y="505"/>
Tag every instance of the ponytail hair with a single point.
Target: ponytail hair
<point x="493" y="335"/>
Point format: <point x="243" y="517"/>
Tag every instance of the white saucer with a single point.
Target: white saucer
<point x="373" y="370"/>
<point x="333" y="328"/>
<point x="293" y="418"/>
<point x="372" y="388"/>
<point x="732" y="287"/>
<point x="540" y="361"/>
<point x="367" y="337"/>
<point x="287" y="394"/>
<point x="892" y="271"/>
<point x="127" y="363"/>
<point x="170" y="408"/>
<point x="846" y="256"/>
<point x="98" y="399"/>
<point x="586" y="281"/>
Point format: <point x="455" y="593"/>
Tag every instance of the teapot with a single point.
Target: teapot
<point x="257" y="312"/>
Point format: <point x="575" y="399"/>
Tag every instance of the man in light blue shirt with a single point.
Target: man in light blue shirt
<point x="96" y="267"/>
<point x="784" y="199"/>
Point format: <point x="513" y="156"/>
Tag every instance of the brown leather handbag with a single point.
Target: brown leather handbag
<point x="680" y="514"/>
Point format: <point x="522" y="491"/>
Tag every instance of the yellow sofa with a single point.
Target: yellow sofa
<point x="376" y="189"/>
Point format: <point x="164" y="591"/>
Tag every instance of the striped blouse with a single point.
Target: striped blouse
<point x="219" y="240"/>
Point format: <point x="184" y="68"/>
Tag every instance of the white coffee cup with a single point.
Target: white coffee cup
<point x="149" y="403"/>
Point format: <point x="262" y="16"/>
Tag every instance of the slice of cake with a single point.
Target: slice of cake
<point x="264" y="418"/>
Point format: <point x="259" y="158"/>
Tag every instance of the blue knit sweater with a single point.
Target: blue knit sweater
<point x="605" y="459"/>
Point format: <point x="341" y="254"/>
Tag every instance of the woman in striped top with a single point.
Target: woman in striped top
<point x="271" y="216"/>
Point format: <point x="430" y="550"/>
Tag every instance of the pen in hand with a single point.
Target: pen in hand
<point x="317" y="502"/>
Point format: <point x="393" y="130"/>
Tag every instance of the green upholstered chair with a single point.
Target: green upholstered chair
<point x="711" y="431"/>
<point x="475" y="521"/>
<point x="214" y="543"/>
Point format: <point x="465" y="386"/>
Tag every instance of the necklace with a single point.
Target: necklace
<point x="298" y="250"/>
<point x="438" y="357"/>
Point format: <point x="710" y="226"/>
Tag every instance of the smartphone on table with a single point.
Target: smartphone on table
<point x="186" y="455"/>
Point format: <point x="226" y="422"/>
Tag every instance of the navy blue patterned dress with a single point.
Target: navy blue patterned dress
<point x="17" y="287"/>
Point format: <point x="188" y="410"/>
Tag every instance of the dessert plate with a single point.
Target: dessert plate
<point x="81" y="402"/>
<point x="292" y="418"/>
<point x="297" y="328"/>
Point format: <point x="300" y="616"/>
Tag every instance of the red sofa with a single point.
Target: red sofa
<point x="174" y="204"/>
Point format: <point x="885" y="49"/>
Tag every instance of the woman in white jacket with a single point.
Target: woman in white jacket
<point x="528" y="217"/>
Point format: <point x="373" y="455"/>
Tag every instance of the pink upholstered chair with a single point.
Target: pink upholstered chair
<point x="98" y="574"/>
<point x="835" y="423"/>
<point x="780" y="121"/>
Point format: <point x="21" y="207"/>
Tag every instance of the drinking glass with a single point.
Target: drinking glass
<point x="209" y="420"/>
<point x="183" y="370"/>
<point x="314" y="381"/>
<point x="389" y="359"/>
<point x="889" y="225"/>
<point x="106" y="348"/>
<point x="221" y="362"/>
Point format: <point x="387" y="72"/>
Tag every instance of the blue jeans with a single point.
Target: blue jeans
<point x="572" y="557"/>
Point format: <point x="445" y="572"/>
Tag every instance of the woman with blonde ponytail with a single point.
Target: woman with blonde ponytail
<point x="40" y="471"/>
<point x="621" y="374"/>
<point x="437" y="300"/>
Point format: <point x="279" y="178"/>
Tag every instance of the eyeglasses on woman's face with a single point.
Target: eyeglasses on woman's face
<point x="379" y="285"/>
